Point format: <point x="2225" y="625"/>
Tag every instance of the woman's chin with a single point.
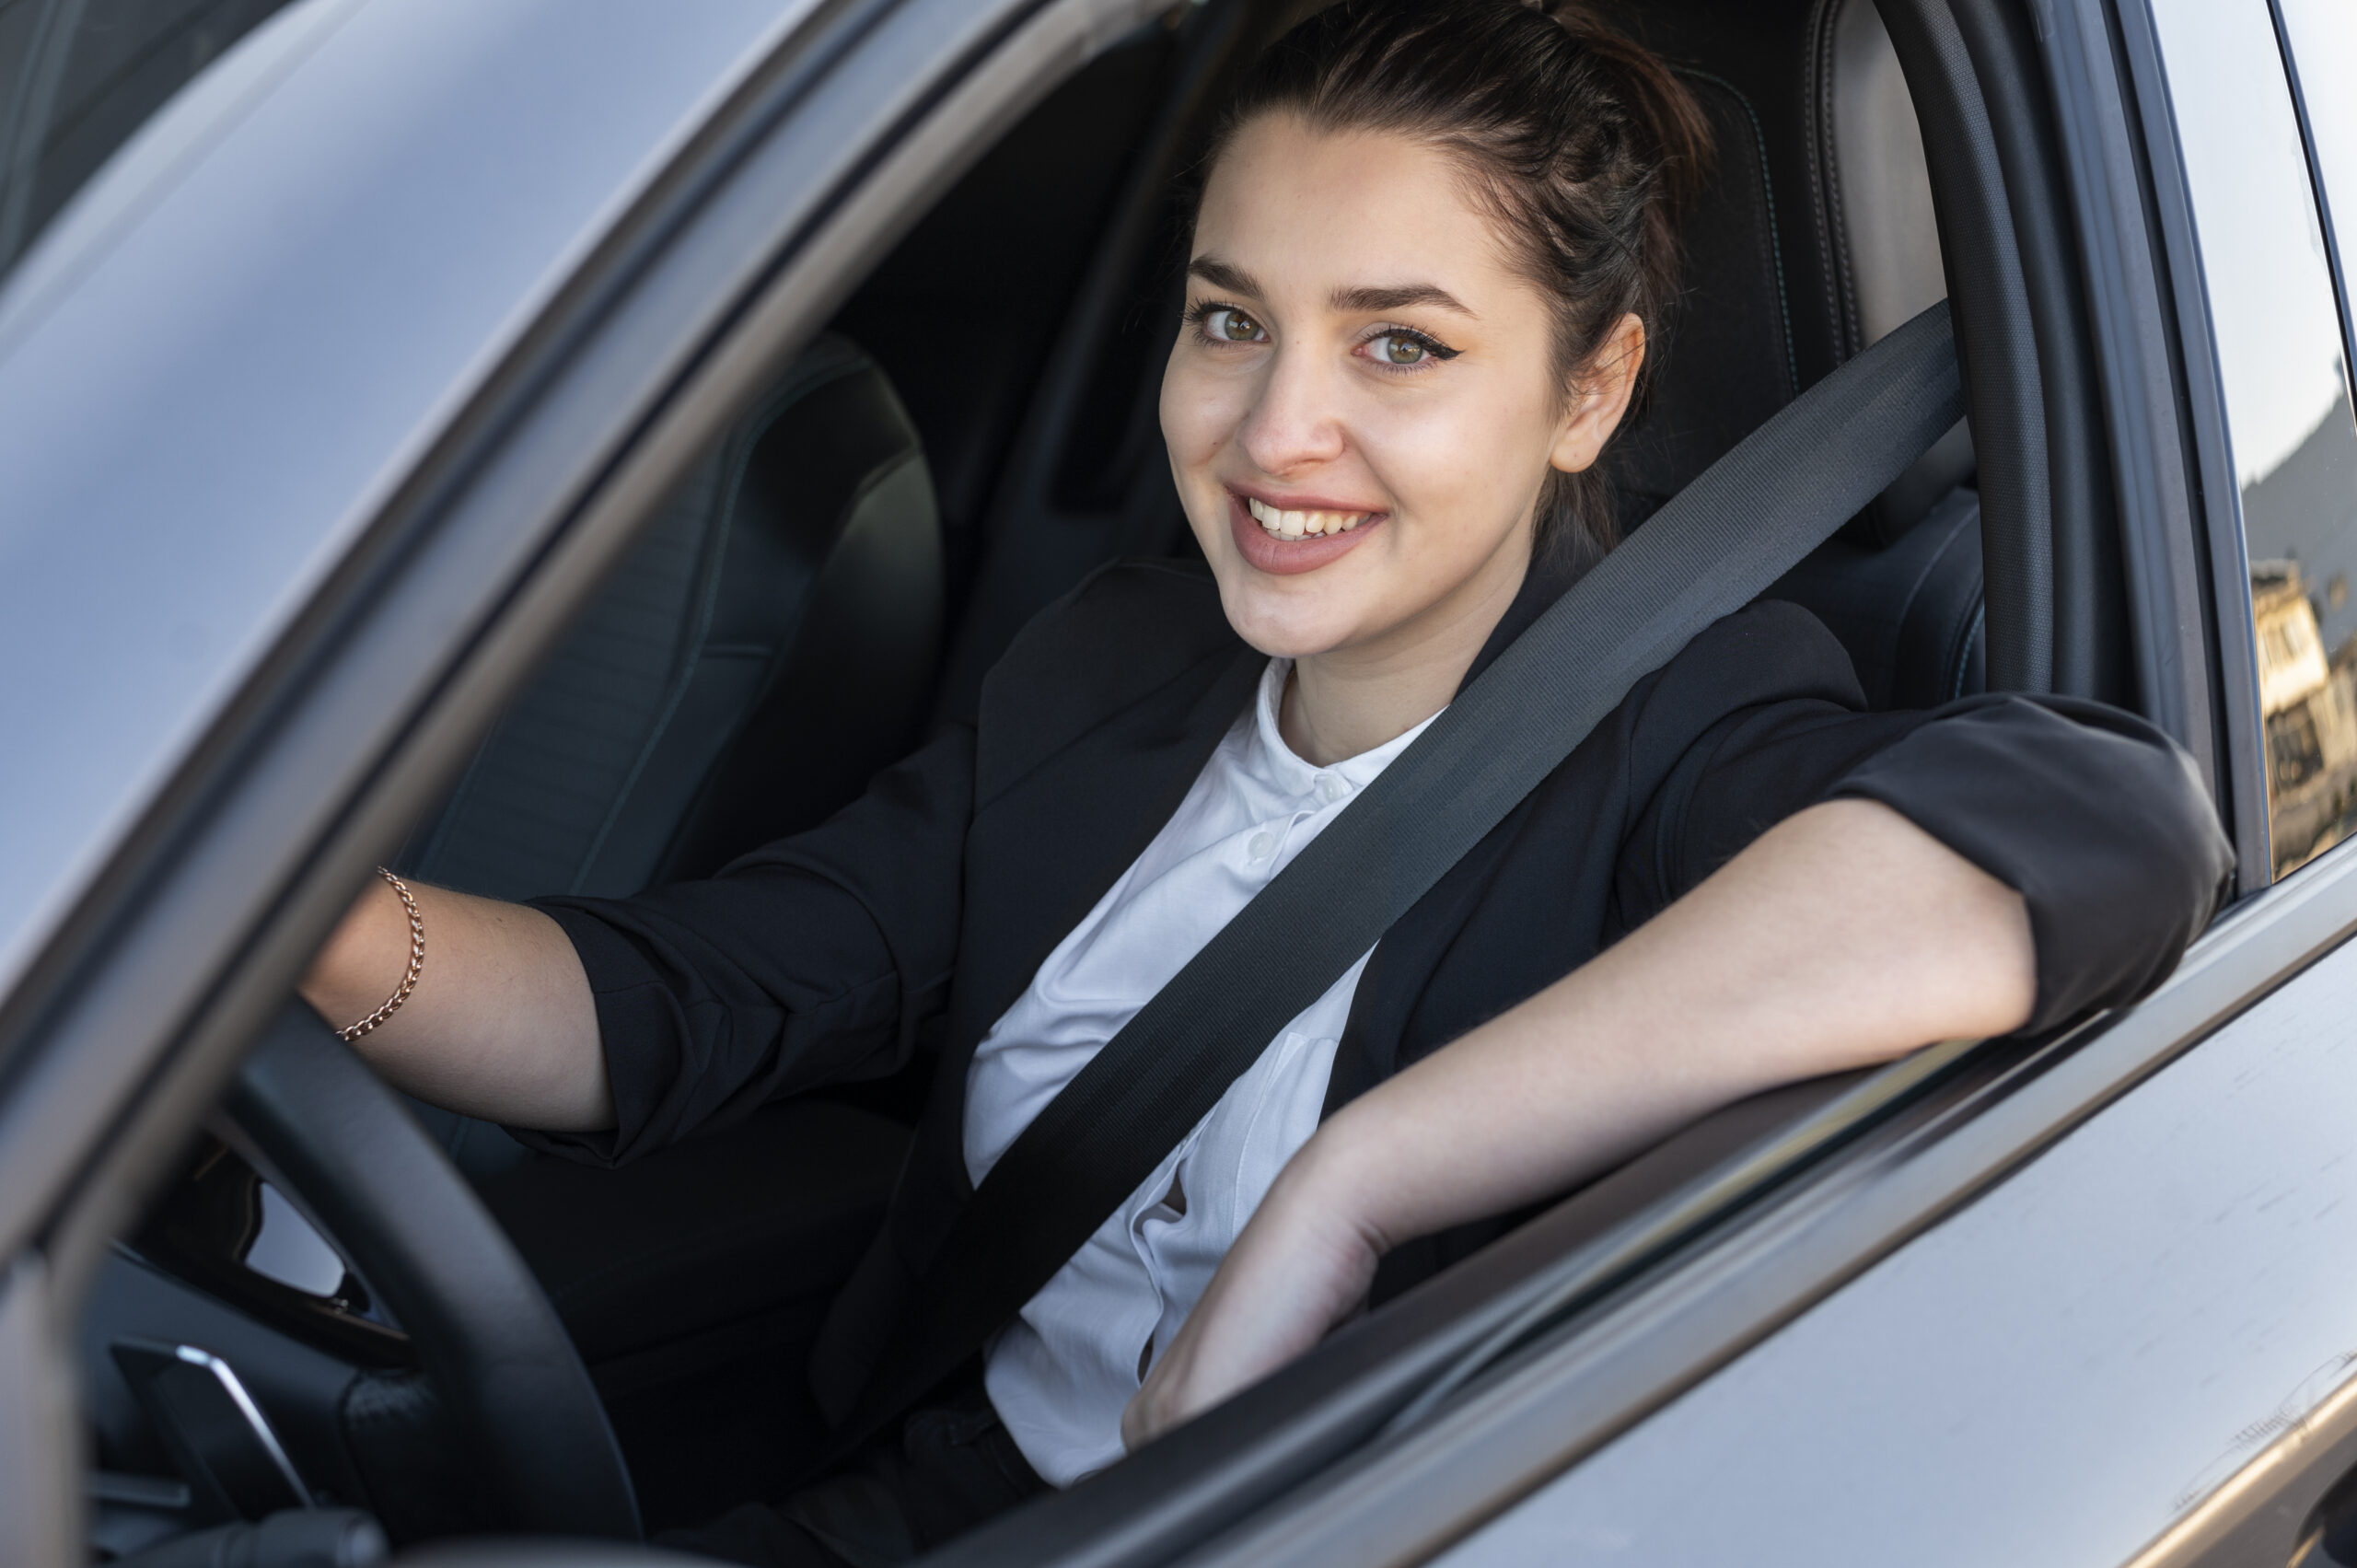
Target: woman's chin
<point x="1284" y="624"/>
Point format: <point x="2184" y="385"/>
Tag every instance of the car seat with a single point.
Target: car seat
<point x="1900" y="586"/>
<point x="770" y="644"/>
<point x="767" y="646"/>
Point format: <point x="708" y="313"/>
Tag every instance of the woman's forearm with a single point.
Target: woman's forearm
<point x="502" y="1023"/>
<point x="1840" y="939"/>
<point x="1844" y="936"/>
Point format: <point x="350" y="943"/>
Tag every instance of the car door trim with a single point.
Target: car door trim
<point x="2261" y="1513"/>
<point x="2214" y="500"/>
<point x="2106" y="156"/>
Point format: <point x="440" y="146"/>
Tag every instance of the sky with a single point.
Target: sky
<point x="2280" y="344"/>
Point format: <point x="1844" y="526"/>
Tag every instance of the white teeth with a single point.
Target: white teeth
<point x="1300" y="524"/>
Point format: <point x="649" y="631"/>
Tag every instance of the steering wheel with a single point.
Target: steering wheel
<point x="483" y="1329"/>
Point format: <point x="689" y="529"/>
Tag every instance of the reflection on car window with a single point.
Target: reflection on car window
<point x="2281" y="358"/>
<point x="78" y="76"/>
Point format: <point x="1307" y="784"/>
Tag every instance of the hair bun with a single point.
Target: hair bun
<point x="1678" y="138"/>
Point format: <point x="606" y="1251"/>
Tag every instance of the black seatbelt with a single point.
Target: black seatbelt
<point x="1712" y="550"/>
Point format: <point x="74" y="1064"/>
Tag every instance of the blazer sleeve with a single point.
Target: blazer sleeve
<point x="2097" y="819"/>
<point x="808" y="962"/>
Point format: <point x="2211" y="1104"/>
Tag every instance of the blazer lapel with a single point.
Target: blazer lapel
<point x="1047" y="848"/>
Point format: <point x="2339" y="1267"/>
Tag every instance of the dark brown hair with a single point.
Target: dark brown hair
<point x="1579" y="142"/>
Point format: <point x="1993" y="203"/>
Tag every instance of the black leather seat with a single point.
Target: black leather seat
<point x="768" y="644"/>
<point x="1900" y="585"/>
<point x="766" y="648"/>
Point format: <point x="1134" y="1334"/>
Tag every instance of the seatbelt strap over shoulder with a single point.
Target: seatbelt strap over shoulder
<point x="1713" y="548"/>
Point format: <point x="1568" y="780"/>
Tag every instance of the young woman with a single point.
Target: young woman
<point x="1433" y="248"/>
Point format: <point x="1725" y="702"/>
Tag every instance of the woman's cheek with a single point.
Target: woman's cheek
<point x="1480" y="461"/>
<point x="1199" y="416"/>
<point x="1433" y="466"/>
<point x="1203" y="404"/>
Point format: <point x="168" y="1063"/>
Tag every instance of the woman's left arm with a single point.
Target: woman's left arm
<point x="1842" y="937"/>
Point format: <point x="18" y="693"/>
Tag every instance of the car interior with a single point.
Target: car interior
<point x="973" y="433"/>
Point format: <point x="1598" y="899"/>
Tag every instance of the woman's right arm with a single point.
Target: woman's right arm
<point x="603" y="1029"/>
<point x="502" y="1023"/>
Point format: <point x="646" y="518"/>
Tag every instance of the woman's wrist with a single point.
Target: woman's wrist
<point x="411" y="971"/>
<point x="1332" y="1192"/>
<point x="363" y="959"/>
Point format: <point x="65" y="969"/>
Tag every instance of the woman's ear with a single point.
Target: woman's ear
<point x="1600" y="398"/>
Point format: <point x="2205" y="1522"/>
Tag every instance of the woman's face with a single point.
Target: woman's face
<point x="1362" y="404"/>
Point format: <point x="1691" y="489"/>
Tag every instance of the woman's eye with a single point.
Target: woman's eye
<point x="1403" y="348"/>
<point x="1229" y="325"/>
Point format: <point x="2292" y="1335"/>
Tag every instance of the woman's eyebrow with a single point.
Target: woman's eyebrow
<point x="1360" y="299"/>
<point x="1225" y="274"/>
<point x="1398" y="297"/>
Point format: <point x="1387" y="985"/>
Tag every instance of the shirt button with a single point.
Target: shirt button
<point x="1263" y="844"/>
<point x="1329" y="788"/>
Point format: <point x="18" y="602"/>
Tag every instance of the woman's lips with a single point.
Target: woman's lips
<point x="1270" y="552"/>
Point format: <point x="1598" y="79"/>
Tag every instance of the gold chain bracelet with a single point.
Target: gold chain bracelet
<point x="392" y="1003"/>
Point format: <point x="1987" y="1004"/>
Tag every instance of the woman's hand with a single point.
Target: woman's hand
<point x="1301" y="1267"/>
<point x="1843" y="936"/>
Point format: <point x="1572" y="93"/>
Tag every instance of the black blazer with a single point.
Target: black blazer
<point x="918" y="913"/>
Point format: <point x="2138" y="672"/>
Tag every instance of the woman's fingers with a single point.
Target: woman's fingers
<point x="1301" y="1266"/>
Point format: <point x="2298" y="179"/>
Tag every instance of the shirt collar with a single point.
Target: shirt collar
<point x="1551" y="574"/>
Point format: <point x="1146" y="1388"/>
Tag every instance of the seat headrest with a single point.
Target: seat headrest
<point x="1732" y="360"/>
<point x="1727" y="364"/>
<point x="1886" y="257"/>
<point x="1877" y="178"/>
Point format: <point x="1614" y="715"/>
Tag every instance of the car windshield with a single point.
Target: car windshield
<point x="78" y="76"/>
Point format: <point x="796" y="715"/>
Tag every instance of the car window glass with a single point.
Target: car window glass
<point x="78" y="76"/>
<point x="2322" y="39"/>
<point x="2277" y="335"/>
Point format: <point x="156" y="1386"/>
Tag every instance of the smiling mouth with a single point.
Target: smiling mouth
<point x="1283" y="523"/>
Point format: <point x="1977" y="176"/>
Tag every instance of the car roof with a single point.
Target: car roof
<point x="225" y="356"/>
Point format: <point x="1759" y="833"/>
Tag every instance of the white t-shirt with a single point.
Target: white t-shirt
<point x="1060" y="1375"/>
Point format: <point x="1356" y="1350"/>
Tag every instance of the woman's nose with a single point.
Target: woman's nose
<point x="1295" y="421"/>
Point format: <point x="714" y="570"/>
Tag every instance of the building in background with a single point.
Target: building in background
<point x="2309" y="700"/>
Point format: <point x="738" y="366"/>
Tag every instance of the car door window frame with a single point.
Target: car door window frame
<point x="2189" y="114"/>
<point x="2320" y="180"/>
